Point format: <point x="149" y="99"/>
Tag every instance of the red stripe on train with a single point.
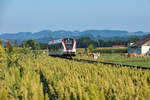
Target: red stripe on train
<point x="64" y="44"/>
<point x="73" y="44"/>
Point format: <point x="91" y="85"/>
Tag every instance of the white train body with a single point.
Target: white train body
<point x="62" y="47"/>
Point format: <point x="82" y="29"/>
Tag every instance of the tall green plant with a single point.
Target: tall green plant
<point x="9" y="46"/>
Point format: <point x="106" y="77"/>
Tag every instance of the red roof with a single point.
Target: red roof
<point x="118" y="46"/>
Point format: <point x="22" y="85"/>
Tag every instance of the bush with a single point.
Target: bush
<point x="2" y="54"/>
<point x="110" y="50"/>
<point x="9" y="47"/>
<point x="91" y="47"/>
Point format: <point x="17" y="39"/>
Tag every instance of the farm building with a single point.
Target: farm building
<point x="140" y="47"/>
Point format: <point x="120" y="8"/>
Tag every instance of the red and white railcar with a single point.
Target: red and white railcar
<point x="62" y="47"/>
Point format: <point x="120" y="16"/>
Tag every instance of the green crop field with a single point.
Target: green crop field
<point x="108" y="56"/>
<point x="117" y="58"/>
<point x="32" y="75"/>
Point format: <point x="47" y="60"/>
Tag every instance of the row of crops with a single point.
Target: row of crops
<point x="26" y="75"/>
<point x="110" y="50"/>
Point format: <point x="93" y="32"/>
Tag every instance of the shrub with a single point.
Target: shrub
<point x="2" y="54"/>
<point x="110" y="50"/>
<point x="9" y="47"/>
<point x="91" y="47"/>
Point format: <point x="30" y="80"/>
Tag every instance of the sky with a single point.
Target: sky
<point x="37" y="15"/>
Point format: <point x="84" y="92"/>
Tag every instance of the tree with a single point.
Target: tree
<point x="133" y="39"/>
<point x="31" y="44"/>
<point x="1" y="41"/>
<point x="9" y="46"/>
<point x="24" y="44"/>
<point x="84" y="42"/>
<point x="91" y="47"/>
<point x="16" y="43"/>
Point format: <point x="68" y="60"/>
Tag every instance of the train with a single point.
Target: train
<point x="65" y="47"/>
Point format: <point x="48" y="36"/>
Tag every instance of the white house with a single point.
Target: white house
<point x="141" y="47"/>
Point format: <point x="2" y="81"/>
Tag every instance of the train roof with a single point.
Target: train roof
<point x="57" y="41"/>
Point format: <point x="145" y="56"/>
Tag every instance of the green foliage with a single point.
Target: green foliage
<point x="2" y="54"/>
<point x="110" y="50"/>
<point x="134" y="39"/>
<point x="110" y="43"/>
<point x="47" y="78"/>
<point x="9" y="47"/>
<point x="16" y="43"/>
<point x="24" y="44"/>
<point x="102" y="95"/>
<point x="32" y="44"/>
<point x="94" y="81"/>
<point x="25" y="51"/>
<point x="93" y="92"/>
<point x="90" y="47"/>
<point x="3" y="59"/>
<point x="12" y="60"/>
<point x="85" y="42"/>
<point x="4" y="95"/>
<point x="1" y="42"/>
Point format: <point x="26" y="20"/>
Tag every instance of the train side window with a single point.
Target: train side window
<point x="55" y="47"/>
<point x="50" y="47"/>
<point x="60" y="46"/>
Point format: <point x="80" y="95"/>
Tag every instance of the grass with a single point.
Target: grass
<point x="117" y="58"/>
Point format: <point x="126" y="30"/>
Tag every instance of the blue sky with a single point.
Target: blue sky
<point x="36" y="15"/>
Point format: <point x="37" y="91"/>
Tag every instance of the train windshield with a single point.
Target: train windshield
<point x="68" y="43"/>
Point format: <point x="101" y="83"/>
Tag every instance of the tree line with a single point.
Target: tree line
<point x="83" y="42"/>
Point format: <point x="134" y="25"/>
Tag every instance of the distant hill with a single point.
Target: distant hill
<point x="47" y="35"/>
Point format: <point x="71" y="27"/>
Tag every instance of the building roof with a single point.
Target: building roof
<point x="142" y="42"/>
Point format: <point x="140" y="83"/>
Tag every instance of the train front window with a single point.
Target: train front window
<point x="68" y="43"/>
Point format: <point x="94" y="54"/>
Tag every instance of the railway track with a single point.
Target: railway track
<point x="108" y="63"/>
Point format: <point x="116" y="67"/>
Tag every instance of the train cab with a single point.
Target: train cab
<point x="62" y="47"/>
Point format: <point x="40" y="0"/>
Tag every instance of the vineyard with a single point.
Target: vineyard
<point x="32" y="75"/>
